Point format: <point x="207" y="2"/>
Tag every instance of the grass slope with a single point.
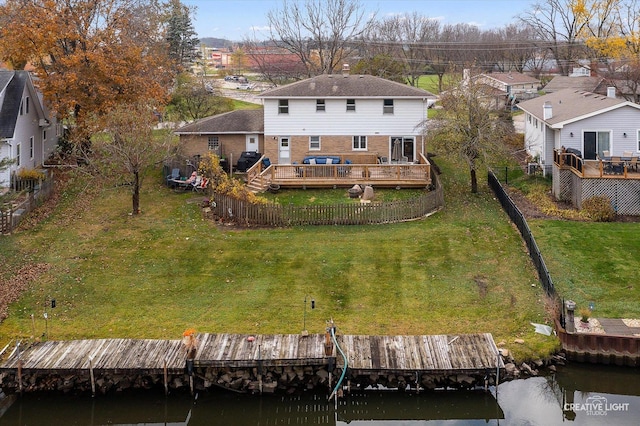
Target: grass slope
<point x="462" y="270"/>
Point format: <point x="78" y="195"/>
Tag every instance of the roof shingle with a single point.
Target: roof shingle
<point x="346" y="86"/>
<point x="238" y="121"/>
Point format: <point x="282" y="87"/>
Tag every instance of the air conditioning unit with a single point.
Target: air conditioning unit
<point x="533" y="168"/>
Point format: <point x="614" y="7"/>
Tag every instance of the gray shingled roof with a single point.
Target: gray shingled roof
<point x="238" y="121"/>
<point x="560" y="82"/>
<point x="12" y="83"/>
<point x="570" y="105"/>
<point x="346" y="86"/>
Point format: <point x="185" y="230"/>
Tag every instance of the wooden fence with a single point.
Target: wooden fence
<point x="12" y="213"/>
<point x="244" y="213"/>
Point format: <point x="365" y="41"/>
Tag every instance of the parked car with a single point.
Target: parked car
<point x="244" y="86"/>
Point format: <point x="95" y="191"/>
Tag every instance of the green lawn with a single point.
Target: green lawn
<point x="462" y="270"/>
<point x="593" y="262"/>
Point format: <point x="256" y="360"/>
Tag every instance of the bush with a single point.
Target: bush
<point x="599" y="209"/>
<point x="30" y="174"/>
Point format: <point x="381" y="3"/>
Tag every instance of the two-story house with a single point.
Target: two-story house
<point x="344" y="114"/>
<point x="27" y="134"/>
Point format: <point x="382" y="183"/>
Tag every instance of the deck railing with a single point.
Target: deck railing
<point x="302" y="175"/>
<point x="615" y="167"/>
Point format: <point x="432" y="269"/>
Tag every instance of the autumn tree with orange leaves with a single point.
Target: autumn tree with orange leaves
<point x="89" y="55"/>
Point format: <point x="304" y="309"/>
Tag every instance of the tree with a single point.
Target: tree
<point x="404" y="37"/>
<point x="559" y="26"/>
<point x="320" y="32"/>
<point x="128" y="147"/>
<point x="621" y="47"/>
<point x="382" y="66"/>
<point x="181" y="36"/>
<point x="195" y="98"/>
<point x="467" y="128"/>
<point x="90" y="55"/>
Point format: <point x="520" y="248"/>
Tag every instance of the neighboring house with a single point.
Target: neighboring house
<point x="585" y="121"/>
<point x="27" y="134"/>
<point x="584" y="83"/>
<point x="514" y="84"/>
<point x="226" y="135"/>
<point x="348" y="115"/>
<point x="583" y="133"/>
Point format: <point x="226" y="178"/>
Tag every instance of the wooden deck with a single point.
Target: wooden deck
<point x="439" y="353"/>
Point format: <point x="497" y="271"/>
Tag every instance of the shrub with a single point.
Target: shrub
<point x="30" y="174"/>
<point x="599" y="209"/>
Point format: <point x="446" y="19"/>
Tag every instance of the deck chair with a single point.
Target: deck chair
<point x="175" y="174"/>
<point x="170" y="179"/>
<point x="627" y="154"/>
<point x="200" y="184"/>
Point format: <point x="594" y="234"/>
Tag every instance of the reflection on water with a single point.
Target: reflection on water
<point x="580" y="394"/>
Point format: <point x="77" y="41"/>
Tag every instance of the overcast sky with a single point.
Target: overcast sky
<point x="239" y="19"/>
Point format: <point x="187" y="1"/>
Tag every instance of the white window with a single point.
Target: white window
<point x="320" y="105"/>
<point x="387" y="106"/>
<point x="359" y="143"/>
<point x="638" y="140"/>
<point x="314" y="143"/>
<point x="351" y="104"/>
<point x="31" y="147"/>
<point x="18" y="155"/>
<point x="26" y="105"/>
<point x="213" y="143"/>
<point x="283" y="106"/>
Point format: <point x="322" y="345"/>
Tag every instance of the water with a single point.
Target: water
<point x="612" y="394"/>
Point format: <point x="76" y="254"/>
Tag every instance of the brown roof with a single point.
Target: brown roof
<point x="238" y="121"/>
<point x="512" y="78"/>
<point x="570" y="105"/>
<point x="346" y="86"/>
<point x="561" y="82"/>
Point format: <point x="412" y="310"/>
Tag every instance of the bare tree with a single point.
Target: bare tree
<point x="467" y="127"/>
<point x="404" y="38"/>
<point x="275" y="64"/>
<point x="320" y="32"/>
<point x="129" y="147"/>
<point x="558" y="29"/>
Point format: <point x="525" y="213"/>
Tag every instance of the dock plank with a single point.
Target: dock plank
<point x="399" y="354"/>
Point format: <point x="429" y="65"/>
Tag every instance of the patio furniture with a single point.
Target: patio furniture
<point x="617" y="165"/>
<point x="633" y="164"/>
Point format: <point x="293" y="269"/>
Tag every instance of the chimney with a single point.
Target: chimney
<point x="611" y="92"/>
<point x="345" y="69"/>
<point x="547" y="111"/>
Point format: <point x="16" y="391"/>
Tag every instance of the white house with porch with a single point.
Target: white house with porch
<point x="591" y="144"/>
<point x="27" y="134"/>
<point x="347" y="115"/>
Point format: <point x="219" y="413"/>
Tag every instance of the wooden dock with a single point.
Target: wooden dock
<point x="435" y="353"/>
<point x="365" y="354"/>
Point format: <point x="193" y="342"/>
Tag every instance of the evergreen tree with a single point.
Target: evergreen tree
<point x="181" y="36"/>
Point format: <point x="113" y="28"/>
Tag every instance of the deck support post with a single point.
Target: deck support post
<point x="166" y="378"/>
<point x="93" y="381"/>
<point x="19" y="368"/>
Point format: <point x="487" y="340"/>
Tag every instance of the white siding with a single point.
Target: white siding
<point x="534" y="137"/>
<point x="4" y="174"/>
<point x="367" y="119"/>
